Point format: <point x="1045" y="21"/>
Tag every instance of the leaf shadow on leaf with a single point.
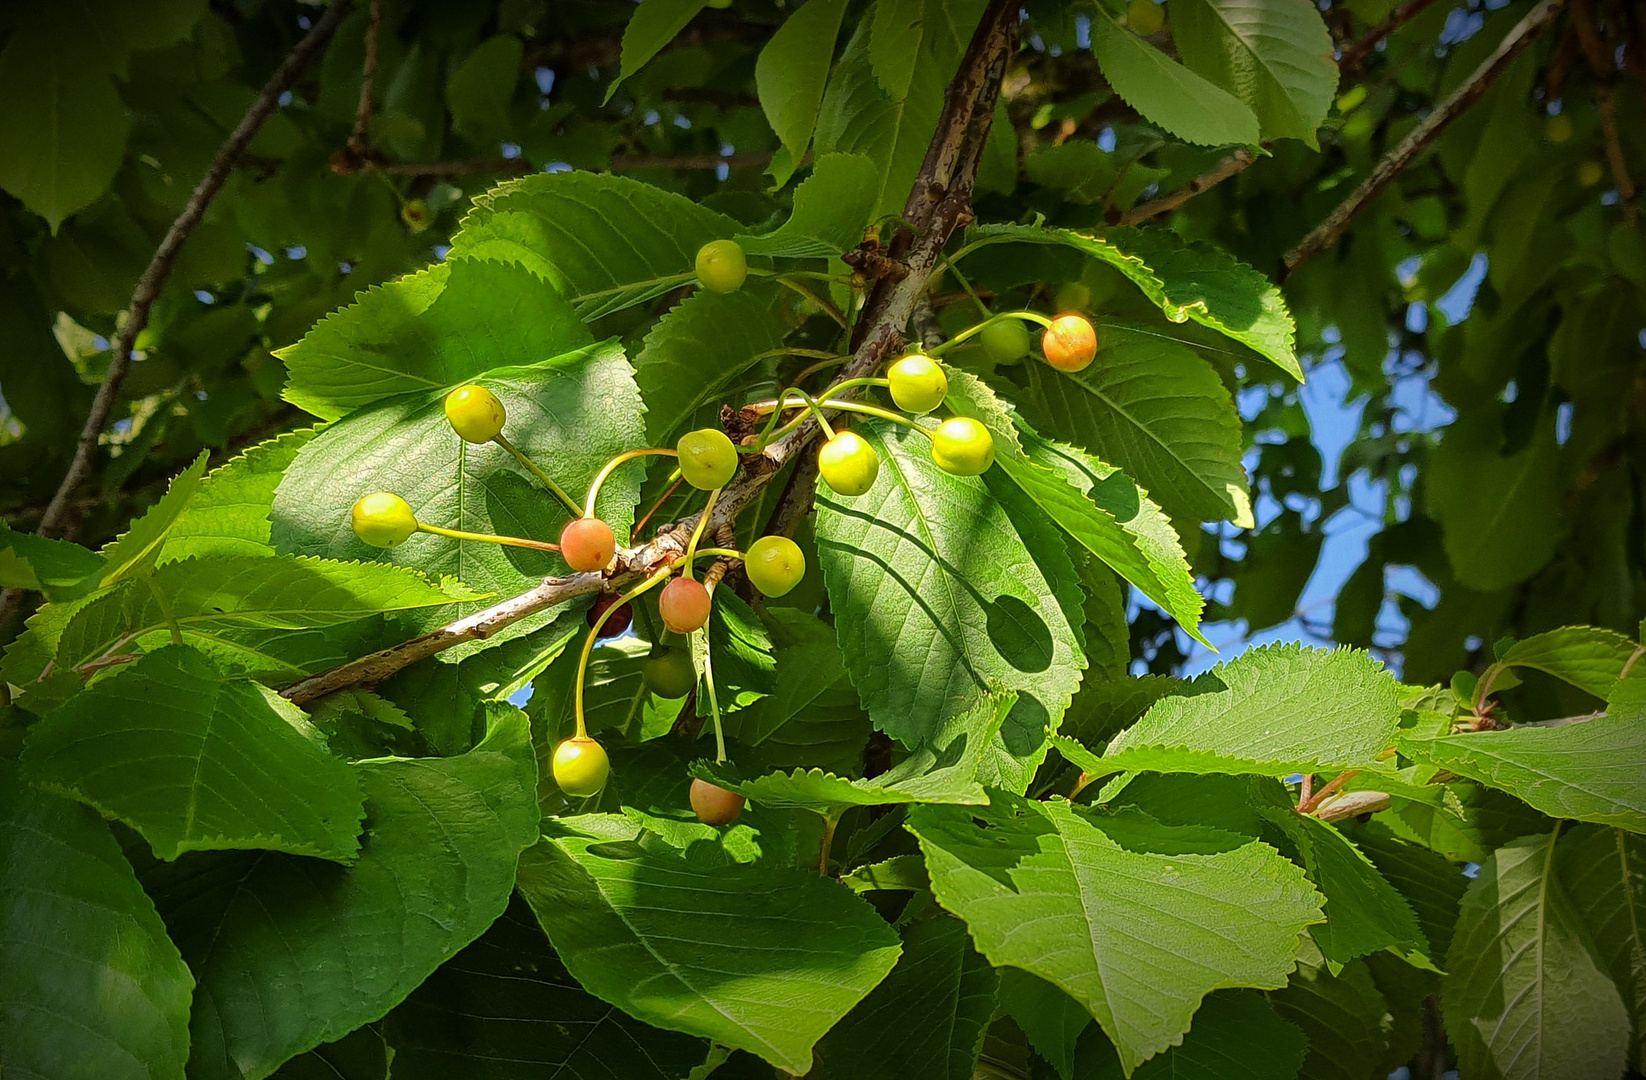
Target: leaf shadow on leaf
<point x="1026" y="725"/>
<point x="1016" y="630"/>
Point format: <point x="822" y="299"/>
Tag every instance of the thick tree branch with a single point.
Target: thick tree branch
<point x="61" y="510"/>
<point x="939" y="202"/>
<point x="1329" y="231"/>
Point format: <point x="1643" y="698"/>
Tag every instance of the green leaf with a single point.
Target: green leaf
<point x="1272" y="710"/>
<point x="479" y="91"/>
<point x="1589" y="657"/>
<point x="942" y="995"/>
<point x="591" y="234"/>
<point x="1236" y="1036"/>
<point x="1600" y="869"/>
<point x="1274" y="55"/>
<point x="505" y="1008"/>
<point x="1524" y="997"/>
<point x="1103" y="708"/>
<point x="1066" y="485"/>
<point x="1499" y="515"/>
<point x="426" y="331"/>
<point x="64" y="125"/>
<point x="92" y="985"/>
<point x="57" y="568"/>
<point x="759" y="958"/>
<point x="407" y="446"/>
<point x="1341" y="1011"/>
<point x="291" y="953"/>
<point x="1145" y="935"/>
<point x="745" y="670"/>
<point x="1364" y="913"/>
<point x="653" y="25"/>
<point x="136" y="550"/>
<point x="1156" y="410"/>
<point x="831" y="207"/>
<point x="813" y="716"/>
<point x="1052" y="1020"/>
<point x="935" y="597"/>
<point x="229" y="515"/>
<point x="792" y="70"/>
<point x="359" y="1055"/>
<point x="1431" y="884"/>
<point x="197" y="762"/>
<point x="1167" y="93"/>
<point x="696" y="355"/>
<point x="858" y="116"/>
<point x="215" y="598"/>
<point x="1589" y="771"/>
<point x="894" y="35"/>
<point x="944" y="773"/>
<point x="1189" y="280"/>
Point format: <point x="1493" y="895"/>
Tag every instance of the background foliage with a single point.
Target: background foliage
<point x="1458" y="479"/>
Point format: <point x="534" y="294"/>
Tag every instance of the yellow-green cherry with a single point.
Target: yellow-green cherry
<point x="708" y="459"/>
<point x="848" y="464"/>
<point x="581" y="767"/>
<point x="918" y="384"/>
<point x="1145" y="16"/>
<point x="383" y="519"/>
<point x="721" y="266"/>
<point x="475" y="413"/>
<point x="775" y="565"/>
<point x="962" y="446"/>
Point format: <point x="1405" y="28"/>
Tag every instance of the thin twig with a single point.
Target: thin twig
<point x="60" y="511"/>
<point x="465" y="167"/>
<point x="940" y="200"/>
<point x="1355" y="54"/>
<point x="1329" y="231"/>
<point x="1229" y="166"/>
<point x="1599" y="57"/>
<point x="368" y="73"/>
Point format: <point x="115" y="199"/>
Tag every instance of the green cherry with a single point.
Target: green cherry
<point x="1006" y="341"/>
<point x="383" y="519"/>
<point x="848" y="464"/>
<point x="707" y="458"/>
<point x="918" y="384"/>
<point x="775" y="564"/>
<point x="1145" y="16"/>
<point x="962" y="446"/>
<point x="715" y="805"/>
<point x="587" y="543"/>
<point x="721" y="267"/>
<point x="581" y="767"/>
<point x="669" y="674"/>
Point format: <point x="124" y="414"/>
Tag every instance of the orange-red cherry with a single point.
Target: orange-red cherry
<point x="684" y="605"/>
<point x="715" y="805"/>
<point x="587" y="543"/>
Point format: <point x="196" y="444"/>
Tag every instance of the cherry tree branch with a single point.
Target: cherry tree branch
<point x="939" y="202"/>
<point x="1356" y="54"/>
<point x="1164" y="204"/>
<point x="368" y="74"/>
<point x="1516" y="42"/>
<point x="61" y="511"/>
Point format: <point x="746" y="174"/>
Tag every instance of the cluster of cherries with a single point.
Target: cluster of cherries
<point x="707" y="460"/>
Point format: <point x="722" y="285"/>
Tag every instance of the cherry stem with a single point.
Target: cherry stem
<point x="488" y="538"/>
<point x="656" y="506"/>
<point x="594" y="634"/>
<point x="971" y="292"/>
<point x="1311" y="804"/>
<point x="714" y="700"/>
<point x="666" y="279"/>
<point x="722" y="553"/>
<point x="697" y="533"/>
<point x="829" y="823"/>
<point x="165" y="610"/>
<point x="970" y="332"/>
<point x="823" y="302"/>
<point x="834" y="361"/>
<point x="606" y="470"/>
<point x="559" y="493"/>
